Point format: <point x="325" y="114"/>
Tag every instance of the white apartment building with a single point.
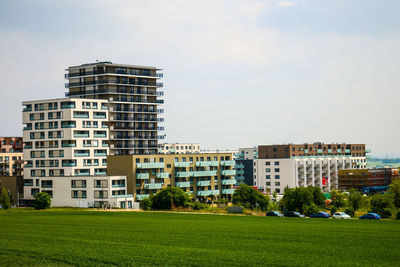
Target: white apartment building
<point x="179" y="148"/>
<point x="64" y="138"/>
<point x="275" y="174"/>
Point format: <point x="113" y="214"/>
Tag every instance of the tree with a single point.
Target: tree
<point x="162" y="200"/>
<point x="42" y="201"/>
<point x="337" y="201"/>
<point x="300" y="198"/>
<point x="355" y="200"/>
<point x="5" y="199"/>
<point x="250" y="198"/>
<point x="382" y="204"/>
<point x="395" y="191"/>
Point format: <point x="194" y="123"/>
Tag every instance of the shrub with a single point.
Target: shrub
<point x="42" y="201"/>
<point x="273" y="206"/>
<point x="162" y="200"/>
<point x="5" y="199"/>
<point x="198" y="205"/>
<point x="349" y="211"/>
<point x="145" y="204"/>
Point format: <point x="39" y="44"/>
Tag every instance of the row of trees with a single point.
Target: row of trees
<point x="309" y="200"/>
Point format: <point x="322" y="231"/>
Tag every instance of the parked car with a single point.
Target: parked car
<point x="274" y="213"/>
<point x="341" y="215"/>
<point x="371" y="215"/>
<point x="293" y="214"/>
<point x="320" y="215"/>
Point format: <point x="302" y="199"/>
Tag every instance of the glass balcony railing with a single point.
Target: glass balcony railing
<point x="228" y="191"/>
<point x="228" y="163"/>
<point x="162" y="175"/>
<point x="228" y="172"/>
<point x="182" y="184"/>
<point x="228" y="181"/>
<point x="203" y="183"/>
<point x="118" y="185"/>
<point x="142" y="176"/>
<point x="182" y="164"/>
<point x="153" y="186"/>
<point x="239" y="166"/>
<point x="208" y="193"/>
<point x="206" y="163"/>
<point x="204" y="173"/>
<point x="150" y="165"/>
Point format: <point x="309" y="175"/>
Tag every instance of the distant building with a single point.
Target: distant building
<point x="11" y="144"/>
<point x="11" y="164"/>
<point x="359" y="179"/>
<point x="275" y="167"/>
<point x="179" y="148"/>
<point x="207" y="177"/>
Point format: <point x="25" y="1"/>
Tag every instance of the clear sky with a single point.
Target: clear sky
<point x="236" y="73"/>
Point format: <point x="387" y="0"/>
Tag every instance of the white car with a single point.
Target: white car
<point x="341" y="215"/>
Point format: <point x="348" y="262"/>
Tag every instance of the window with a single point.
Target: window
<point x="276" y="169"/>
<point x="268" y="170"/>
<point x="268" y="183"/>
<point x="78" y="194"/>
<point x="277" y="190"/>
<point x="268" y="177"/>
<point x="267" y="163"/>
<point x="277" y="177"/>
<point x="78" y="184"/>
<point x="277" y="183"/>
<point x="276" y="163"/>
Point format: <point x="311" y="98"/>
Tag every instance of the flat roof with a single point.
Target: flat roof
<point x="64" y="98"/>
<point x="113" y="64"/>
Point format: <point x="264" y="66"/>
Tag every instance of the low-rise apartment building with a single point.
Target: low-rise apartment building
<point x="179" y="148"/>
<point x="278" y="166"/>
<point x="66" y="141"/>
<point x="207" y="177"/>
<point x="362" y="178"/>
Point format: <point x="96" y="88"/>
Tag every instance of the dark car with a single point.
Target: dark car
<point x="293" y="214"/>
<point x="274" y="213"/>
<point x="320" y="215"/>
<point x="371" y="216"/>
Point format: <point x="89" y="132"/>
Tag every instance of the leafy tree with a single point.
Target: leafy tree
<point x="5" y="199"/>
<point x="337" y="201"/>
<point x="382" y="204"/>
<point x="299" y="198"/>
<point x="274" y="197"/>
<point x="310" y="209"/>
<point x="355" y="201"/>
<point x="395" y="191"/>
<point x="42" y="201"/>
<point x="162" y="200"/>
<point x="145" y="204"/>
<point x="250" y="198"/>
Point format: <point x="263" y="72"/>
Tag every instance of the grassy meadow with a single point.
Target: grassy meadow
<point x="99" y="238"/>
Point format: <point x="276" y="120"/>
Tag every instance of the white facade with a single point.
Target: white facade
<point x="85" y="191"/>
<point x="179" y="148"/>
<point x="275" y="174"/>
<point x="64" y="140"/>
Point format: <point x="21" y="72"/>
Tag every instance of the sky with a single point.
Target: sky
<point x="237" y="73"/>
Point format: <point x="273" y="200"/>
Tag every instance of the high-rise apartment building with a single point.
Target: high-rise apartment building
<point x="133" y="96"/>
<point x="11" y="164"/>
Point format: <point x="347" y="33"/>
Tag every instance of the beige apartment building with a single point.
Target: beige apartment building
<point x="133" y="95"/>
<point x="207" y="177"/>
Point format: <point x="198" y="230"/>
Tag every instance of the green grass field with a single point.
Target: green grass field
<point x="98" y="238"/>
